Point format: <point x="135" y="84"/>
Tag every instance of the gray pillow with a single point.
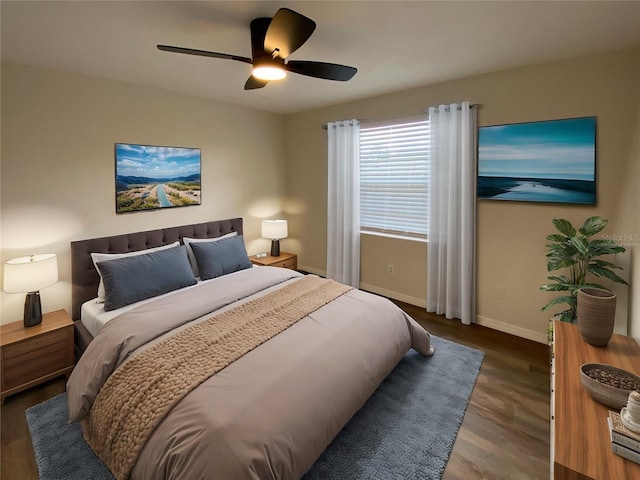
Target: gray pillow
<point x="131" y="279"/>
<point x="220" y="258"/>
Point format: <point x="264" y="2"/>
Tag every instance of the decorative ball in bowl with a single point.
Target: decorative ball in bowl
<point x="607" y="384"/>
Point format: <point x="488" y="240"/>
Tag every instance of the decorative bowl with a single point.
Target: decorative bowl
<point x="607" y="384"/>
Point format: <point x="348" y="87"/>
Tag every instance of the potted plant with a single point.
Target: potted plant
<point x="578" y="252"/>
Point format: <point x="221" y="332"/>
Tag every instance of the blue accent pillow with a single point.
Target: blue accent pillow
<point x="222" y="257"/>
<point x="131" y="279"/>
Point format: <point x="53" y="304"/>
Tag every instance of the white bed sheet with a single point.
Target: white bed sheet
<point x="94" y="317"/>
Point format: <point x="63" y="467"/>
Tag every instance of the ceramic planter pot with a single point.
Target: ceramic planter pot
<point x="596" y="313"/>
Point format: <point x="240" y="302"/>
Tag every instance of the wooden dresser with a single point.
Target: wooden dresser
<point x="580" y="443"/>
<point x="32" y="355"/>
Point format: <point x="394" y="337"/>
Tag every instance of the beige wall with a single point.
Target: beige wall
<point x="511" y="236"/>
<point x="58" y="134"/>
<point x="58" y="131"/>
<point x="627" y="222"/>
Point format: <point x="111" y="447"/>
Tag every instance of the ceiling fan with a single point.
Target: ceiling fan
<point x="272" y="41"/>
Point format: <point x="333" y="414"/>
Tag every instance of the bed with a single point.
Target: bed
<point x="243" y="373"/>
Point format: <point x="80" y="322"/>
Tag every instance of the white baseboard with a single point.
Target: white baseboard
<point x="421" y="302"/>
<point x="418" y="302"/>
<point x="512" y="329"/>
<point x="315" y="271"/>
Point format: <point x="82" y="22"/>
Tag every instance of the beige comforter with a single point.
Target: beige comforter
<point x="271" y="413"/>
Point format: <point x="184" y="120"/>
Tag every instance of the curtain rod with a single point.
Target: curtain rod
<point x="325" y="125"/>
<point x="473" y="105"/>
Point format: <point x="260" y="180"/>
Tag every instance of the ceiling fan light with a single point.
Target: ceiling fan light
<point x="269" y="73"/>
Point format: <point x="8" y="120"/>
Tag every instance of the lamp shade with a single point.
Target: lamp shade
<point x="31" y="273"/>
<point x="274" y="229"/>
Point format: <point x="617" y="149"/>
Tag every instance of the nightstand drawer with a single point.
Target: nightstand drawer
<point x="33" y="344"/>
<point x="288" y="263"/>
<point x="35" y="364"/>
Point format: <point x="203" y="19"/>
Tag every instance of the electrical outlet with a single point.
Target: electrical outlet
<point x="391" y="269"/>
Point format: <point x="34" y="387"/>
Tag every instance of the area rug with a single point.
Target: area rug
<point x="406" y="430"/>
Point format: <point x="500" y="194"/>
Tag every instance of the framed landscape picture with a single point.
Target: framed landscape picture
<point x="550" y="161"/>
<point x="149" y="177"/>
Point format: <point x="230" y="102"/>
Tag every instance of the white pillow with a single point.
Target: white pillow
<point x="192" y="257"/>
<point x="104" y="257"/>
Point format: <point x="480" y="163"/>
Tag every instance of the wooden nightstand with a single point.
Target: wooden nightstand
<point x="284" y="260"/>
<point x="35" y="354"/>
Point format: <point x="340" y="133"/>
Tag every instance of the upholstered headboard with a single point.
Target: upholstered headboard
<point x="84" y="277"/>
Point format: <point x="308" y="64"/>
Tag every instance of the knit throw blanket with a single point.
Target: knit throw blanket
<point x="141" y="392"/>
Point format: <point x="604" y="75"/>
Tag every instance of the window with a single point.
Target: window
<point x="394" y="177"/>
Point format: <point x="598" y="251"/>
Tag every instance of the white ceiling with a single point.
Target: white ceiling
<point x="395" y="45"/>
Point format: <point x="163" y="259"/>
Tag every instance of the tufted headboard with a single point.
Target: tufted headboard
<point x="84" y="277"/>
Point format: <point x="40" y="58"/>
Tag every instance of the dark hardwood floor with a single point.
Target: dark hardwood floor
<point x="16" y="453"/>
<point x="505" y="433"/>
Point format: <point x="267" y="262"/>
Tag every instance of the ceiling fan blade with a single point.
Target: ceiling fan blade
<point x="259" y="28"/>
<point x="287" y="32"/>
<point x="202" y="53"/>
<point x="253" y="83"/>
<point x="328" y="71"/>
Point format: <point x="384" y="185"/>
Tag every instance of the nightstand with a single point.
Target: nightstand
<point x="284" y="260"/>
<point x="32" y="355"/>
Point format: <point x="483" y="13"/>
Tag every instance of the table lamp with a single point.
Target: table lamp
<point x="275" y="230"/>
<point x="29" y="275"/>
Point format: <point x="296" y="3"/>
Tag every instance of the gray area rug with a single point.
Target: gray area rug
<point x="405" y="431"/>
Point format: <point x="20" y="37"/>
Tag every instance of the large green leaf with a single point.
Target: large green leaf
<point x="564" y="226"/>
<point x="560" y="279"/>
<point x="557" y="287"/>
<point x="567" y="316"/>
<point x="603" y="263"/>
<point x="563" y="284"/>
<point x="605" y="272"/>
<point x="566" y="249"/>
<point x="561" y="254"/>
<point x="607" y="251"/>
<point x="556" y="263"/>
<point x="604" y="247"/>
<point x="556" y="237"/>
<point x="593" y="225"/>
<point x="581" y="244"/>
<point x="603" y="243"/>
<point x="593" y="285"/>
<point x="558" y="300"/>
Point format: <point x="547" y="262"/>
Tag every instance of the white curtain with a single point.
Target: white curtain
<point x="452" y="212"/>
<point x="343" y="206"/>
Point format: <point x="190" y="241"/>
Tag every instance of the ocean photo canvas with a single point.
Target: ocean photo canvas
<point x="549" y="161"/>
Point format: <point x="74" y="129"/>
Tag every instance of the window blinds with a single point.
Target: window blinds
<point x="394" y="177"/>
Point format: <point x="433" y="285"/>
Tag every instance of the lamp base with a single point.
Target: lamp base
<point x="32" y="309"/>
<point x="275" y="248"/>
